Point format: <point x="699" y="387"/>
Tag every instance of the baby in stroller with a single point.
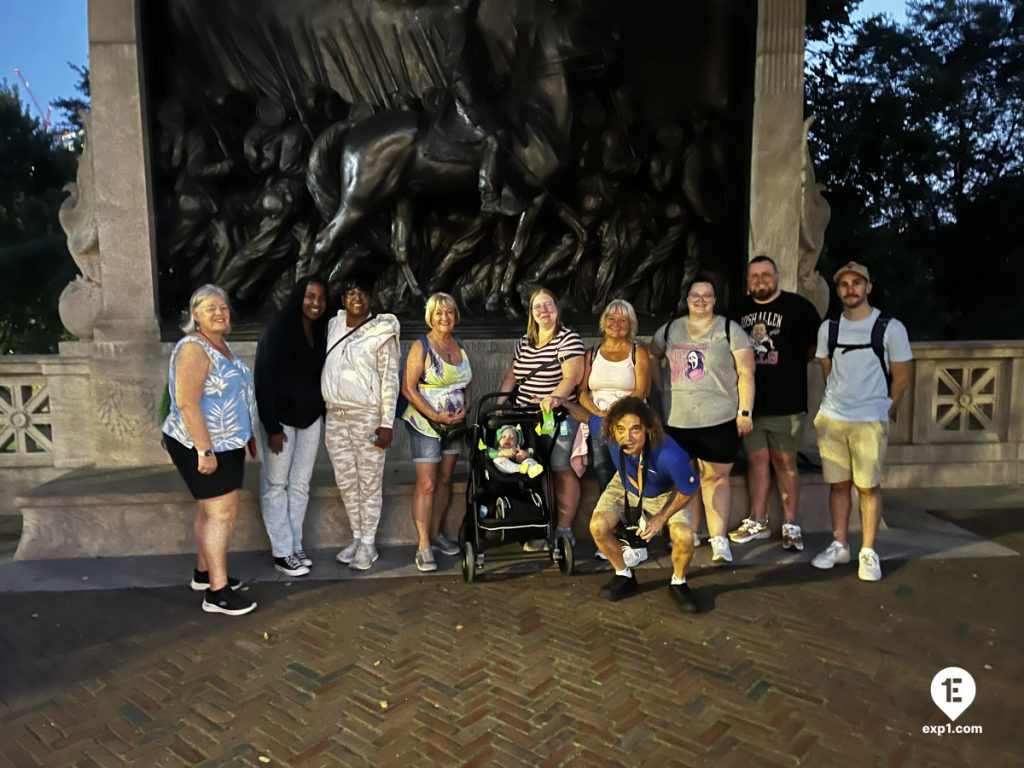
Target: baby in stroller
<point x="509" y="456"/>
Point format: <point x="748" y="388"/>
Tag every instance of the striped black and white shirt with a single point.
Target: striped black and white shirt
<point x="566" y="345"/>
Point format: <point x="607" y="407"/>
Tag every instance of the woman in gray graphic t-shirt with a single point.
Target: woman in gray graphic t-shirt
<point x="707" y="388"/>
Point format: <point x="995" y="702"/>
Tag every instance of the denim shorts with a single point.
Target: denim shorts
<point x="562" y="451"/>
<point x="428" y="450"/>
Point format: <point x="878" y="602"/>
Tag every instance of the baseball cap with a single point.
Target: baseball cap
<point x="852" y="266"/>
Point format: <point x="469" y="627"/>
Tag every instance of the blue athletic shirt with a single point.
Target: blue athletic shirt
<point x="668" y="467"/>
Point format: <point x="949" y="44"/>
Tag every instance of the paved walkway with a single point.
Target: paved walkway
<point x="788" y="666"/>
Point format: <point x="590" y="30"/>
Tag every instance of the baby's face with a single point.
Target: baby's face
<point x="508" y="439"/>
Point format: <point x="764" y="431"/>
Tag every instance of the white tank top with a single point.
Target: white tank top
<point x="610" y="382"/>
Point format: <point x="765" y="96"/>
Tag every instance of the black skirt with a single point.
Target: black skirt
<point x="225" y="479"/>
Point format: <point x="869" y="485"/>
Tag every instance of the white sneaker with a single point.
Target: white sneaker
<point x="366" y="556"/>
<point x="835" y="554"/>
<point x="792" y="537"/>
<point x="720" y="550"/>
<point x="348" y="553"/>
<point x="696" y="539"/>
<point x="870" y="569"/>
<point x="425" y="560"/>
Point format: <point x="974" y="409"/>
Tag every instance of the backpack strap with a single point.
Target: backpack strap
<point x="593" y="353"/>
<point x="833" y="337"/>
<point x="632" y="355"/>
<point x="878" y="343"/>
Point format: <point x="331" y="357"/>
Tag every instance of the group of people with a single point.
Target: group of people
<point x="724" y="383"/>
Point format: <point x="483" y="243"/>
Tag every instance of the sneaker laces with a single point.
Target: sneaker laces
<point x="869" y="558"/>
<point x="835" y="548"/>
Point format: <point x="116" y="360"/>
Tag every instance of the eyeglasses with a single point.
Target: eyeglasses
<point x="701" y="296"/>
<point x="543" y="306"/>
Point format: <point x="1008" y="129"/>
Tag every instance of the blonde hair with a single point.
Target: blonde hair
<point x="622" y="307"/>
<point x="440" y="300"/>
<point x="532" y="328"/>
<point x="201" y="294"/>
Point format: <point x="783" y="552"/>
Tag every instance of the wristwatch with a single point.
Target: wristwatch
<point x="742" y="412"/>
<point x="207" y="452"/>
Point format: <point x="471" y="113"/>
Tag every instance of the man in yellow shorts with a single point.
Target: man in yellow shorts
<point x="865" y="356"/>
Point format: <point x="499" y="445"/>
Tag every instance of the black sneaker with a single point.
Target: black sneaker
<point x="683" y="596"/>
<point x="289" y="565"/>
<point x="201" y="581"/>
<point x="227" y="602"/>
<point x="618" y="588"/>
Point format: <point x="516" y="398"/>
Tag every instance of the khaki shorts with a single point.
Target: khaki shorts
<point x="852" y="450"/>
<point x="780" y="432"/>
<point x="610" y="506"/>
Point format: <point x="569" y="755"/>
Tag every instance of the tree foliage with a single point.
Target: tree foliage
<point x="34" y="260"/>
<point x="919" y="140"/>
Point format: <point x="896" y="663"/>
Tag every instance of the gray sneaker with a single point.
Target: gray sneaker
<point x="834" y="554"/>
<point x="425" y="560"/>
<point x="366" y="556"/>
<point x="348" y="553"/>
<point x="749" y="530"/>
<point x="443" y="545"/>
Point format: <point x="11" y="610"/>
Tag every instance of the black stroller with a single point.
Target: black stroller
<point x="506" y="508"/>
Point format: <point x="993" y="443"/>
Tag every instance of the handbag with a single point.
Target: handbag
<point x="456" y="431"/>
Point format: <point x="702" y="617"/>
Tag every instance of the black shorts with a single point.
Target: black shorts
<point x="719" y="443"/>
<point x="227" y="477"/>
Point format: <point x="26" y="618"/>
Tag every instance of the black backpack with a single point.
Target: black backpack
<point x="877" y="343"/>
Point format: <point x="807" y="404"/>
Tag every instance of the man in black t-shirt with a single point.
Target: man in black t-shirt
<point x="784" y="329"/>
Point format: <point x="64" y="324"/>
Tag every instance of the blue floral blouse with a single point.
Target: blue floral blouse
<point x="228" y="401"/>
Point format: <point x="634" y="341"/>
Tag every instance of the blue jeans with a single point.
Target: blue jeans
<point x="284" y="485"/>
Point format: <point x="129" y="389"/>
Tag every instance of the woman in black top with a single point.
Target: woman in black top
<point x="289" y="358"/>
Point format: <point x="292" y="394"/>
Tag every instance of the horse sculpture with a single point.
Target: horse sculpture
<point x="390" y="159"/>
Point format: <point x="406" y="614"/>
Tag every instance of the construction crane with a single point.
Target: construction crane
<point x="39" y="109"/>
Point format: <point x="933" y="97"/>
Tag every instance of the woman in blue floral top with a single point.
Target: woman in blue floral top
<point x="206" y="433"/>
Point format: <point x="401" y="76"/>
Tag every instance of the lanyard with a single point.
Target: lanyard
<point x="630" y="517"/>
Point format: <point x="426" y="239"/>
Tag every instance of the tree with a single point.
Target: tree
<point x="919" y="140"/>
<point x="71" y="107"/>
<point x="34" y="259"/>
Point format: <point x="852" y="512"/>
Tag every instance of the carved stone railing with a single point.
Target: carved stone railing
<point x="962" y="422"/>
<point x="26" y="419"/>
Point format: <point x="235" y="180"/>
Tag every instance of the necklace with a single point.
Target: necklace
<point x="220" y="347"/>
<point x="450" y="353"/>
<point x="698" y="329"/>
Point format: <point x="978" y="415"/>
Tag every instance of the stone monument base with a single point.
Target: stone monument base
<point x="147" y="511"/>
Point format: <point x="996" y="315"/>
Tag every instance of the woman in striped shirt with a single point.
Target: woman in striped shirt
<point x="551" y="355"/>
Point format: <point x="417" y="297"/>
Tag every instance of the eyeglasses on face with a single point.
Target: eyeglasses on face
<point x="543" y="305"/>
<point x="701" y="296"/>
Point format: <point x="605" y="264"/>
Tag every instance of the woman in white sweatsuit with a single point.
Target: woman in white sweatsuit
<point x="360" y="389"/>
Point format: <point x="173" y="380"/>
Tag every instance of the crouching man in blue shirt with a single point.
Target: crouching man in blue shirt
<point x="650" y="469"/>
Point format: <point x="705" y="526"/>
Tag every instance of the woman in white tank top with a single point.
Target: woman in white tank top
<point x="615" y="368"/>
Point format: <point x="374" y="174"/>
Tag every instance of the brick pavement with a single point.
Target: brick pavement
<point x="788" y="666"/>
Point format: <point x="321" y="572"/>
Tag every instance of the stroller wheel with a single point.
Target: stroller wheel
<point x="566" y="556"/>
<point x="502" y="506"/>
<point x="468" y="562"/>
<point x="537" y="500"/>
